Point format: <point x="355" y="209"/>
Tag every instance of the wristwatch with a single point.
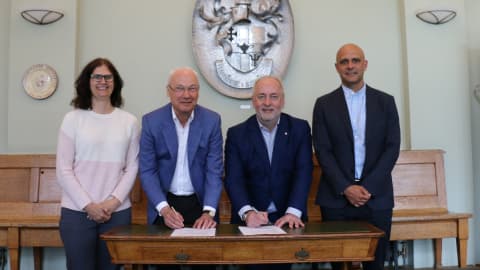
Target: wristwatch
<point x="210" y="213"/>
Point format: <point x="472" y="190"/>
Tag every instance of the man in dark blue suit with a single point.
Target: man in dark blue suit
<point x="181" y="157"/>
<point x="356" y="137"/>
<point x="268" y="163"/>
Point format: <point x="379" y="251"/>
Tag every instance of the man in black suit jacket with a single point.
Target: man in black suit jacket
<point x="356" y="137"/>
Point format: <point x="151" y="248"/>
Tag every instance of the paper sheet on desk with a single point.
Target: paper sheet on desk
<point x="261" y="230"/>
<point x="193" y="232"/>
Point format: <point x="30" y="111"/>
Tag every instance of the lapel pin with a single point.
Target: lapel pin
<point x="286" y="133"/>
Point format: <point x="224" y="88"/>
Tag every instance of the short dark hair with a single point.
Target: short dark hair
<point x="83" y="97"/>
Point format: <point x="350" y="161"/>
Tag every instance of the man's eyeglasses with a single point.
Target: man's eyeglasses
<point x="179" y="89"/>
<point x="263" y="97"/>
<point x="99" y="77"/>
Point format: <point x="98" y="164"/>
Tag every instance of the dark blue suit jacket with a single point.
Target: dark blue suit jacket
<point x="249" y="177"/>
<point x="158" y="156"/>
<point x="333" y="143"/>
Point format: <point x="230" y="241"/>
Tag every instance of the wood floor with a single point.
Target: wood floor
<point x="326" y="266"/>
<point x="357" y="267"/>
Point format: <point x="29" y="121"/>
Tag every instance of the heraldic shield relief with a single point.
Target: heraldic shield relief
<point x="237" y="41"/>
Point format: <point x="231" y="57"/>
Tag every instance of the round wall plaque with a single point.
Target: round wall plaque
<point x="40" y="81"/>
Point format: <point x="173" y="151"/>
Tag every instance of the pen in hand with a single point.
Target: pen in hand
<point x="174" y="211"/>
<point x="177" y="217"/>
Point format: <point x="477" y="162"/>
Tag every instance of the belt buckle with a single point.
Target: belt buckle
<point x="357" y="181"/>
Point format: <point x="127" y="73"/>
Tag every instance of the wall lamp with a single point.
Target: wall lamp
<point x="476" y="93"/>
<point x="41" y="16"/>
<point x="436" y="16"/>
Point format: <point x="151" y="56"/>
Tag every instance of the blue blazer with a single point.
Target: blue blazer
<point x="251" y="179"/>
<point x="158" y="156"/>
<point x="333" y="143"/>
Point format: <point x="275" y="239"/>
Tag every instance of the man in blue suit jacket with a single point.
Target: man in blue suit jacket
<point x="356" y="136"/>
<point x="181" y="157"/>
<point x="268" y="163"/>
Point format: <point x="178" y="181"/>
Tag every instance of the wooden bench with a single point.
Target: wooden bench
<point x="420" y="203"/>
<point x="30" y="205"/>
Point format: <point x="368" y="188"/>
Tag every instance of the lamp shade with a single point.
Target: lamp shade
<point x="41" y="16"/>
<point x="436" y="16"/>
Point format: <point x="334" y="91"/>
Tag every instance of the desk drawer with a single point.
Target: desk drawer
<point x="299" y="251"/>
<point x="168" y="252"/>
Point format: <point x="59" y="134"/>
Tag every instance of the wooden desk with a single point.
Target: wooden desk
<point x="317" y="242"/>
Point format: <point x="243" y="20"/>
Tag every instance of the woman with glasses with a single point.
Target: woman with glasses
<point x="97" y="163"/>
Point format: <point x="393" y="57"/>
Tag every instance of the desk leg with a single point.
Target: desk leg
<point x="139" y="267"/>
<point x="37" y="258"/>
<point x="462" y="252"/>
<point x="462" y="242"/>
<point x="437" y="246"/>
<point x="346" y="265"/>
<point x="13" y="240"/>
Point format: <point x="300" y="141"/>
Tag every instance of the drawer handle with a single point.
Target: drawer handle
<point x="302" y="254"/>
<point x="182" y="257"/>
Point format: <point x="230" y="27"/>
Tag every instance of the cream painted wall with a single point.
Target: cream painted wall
<point x="439" y="103"/>
<point x="147" y="38"/>
<point x="141" y="40"/>
<point x="472" y="10"/>
<point x="4" y="41"/>
<point x="320" y="32"/>
<point x="33" y="124"/>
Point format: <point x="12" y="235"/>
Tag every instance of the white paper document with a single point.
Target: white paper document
<point x="193" y="232"/>
<point x="261" y="230"/>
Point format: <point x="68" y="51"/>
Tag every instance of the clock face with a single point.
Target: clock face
<point x="40" y="81"/>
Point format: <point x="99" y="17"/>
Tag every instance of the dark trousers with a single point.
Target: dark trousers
<point x="188" y="206"/>
<point x="281" y="266"/>
<point x="84" y="249"/>
<point x="191" y="210"/>
<point x="381" y="219"/>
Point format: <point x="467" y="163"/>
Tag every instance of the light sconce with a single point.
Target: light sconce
<point x="476" y="93"/>
<point x="41" y="16"/>
<point x="436" y="16"/>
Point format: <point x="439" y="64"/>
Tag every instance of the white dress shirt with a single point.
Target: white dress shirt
<point x="356" y="103"/>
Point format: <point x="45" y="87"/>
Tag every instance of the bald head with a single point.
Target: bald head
<point x="268" y="100"/>
<point x="183" y="91"/>
<point x="268" y="80"/>
<point x="182" y="72"/>
<point x="351" y="65"/>
<point x="350" y="47"/>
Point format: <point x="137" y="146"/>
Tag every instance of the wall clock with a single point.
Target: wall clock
<point x="40" y="81"/>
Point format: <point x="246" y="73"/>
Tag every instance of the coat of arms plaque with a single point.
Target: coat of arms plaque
<point x="237" y="41"/>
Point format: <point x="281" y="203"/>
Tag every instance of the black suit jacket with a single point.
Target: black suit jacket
<point x="333" y="144"/>
<point x="251" y="179"/>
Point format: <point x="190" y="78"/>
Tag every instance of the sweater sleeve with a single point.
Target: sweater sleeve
<point x="129" y="174"/>
<point x="65" y="164"/>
